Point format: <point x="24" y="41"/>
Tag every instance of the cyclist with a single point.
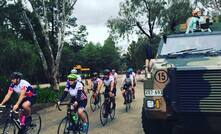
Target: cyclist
<point x="114" y="74"/>
<point x="108" y="82"/>
<point x="78" y="96"/>
<point x="134" y="81"/>
<point x="96" y="85"/>
<point x="127" y="85"/>
<point x="26" y="96"/>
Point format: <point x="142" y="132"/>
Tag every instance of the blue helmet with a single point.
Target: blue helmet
<point x="130" y="70"/>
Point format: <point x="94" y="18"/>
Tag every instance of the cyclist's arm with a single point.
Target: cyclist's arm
<point x="112" y="86"/>
<point x="7" y="96"/>
<point x="99" y="86"/>
<point x="63" y="96"/>
<point x="21" y="96"/>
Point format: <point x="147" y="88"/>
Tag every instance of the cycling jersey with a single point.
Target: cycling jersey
<point x="95" y="82"/>
<point x="23" y="85"/>
<point x="76" y="91"/>
<point x="128" y="80"/>
<point x="107" y="82"/>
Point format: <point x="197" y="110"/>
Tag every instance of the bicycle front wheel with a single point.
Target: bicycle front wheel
<point x="112" y="110"/>
<point x="35" y="126"/>
<point x="9" y="128"/>
<point x="92" y="103"/>
<point x="63" y="126"/>
<point x="103" y="114"/>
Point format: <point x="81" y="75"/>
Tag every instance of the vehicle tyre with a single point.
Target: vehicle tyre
<point x="154" y="126"/>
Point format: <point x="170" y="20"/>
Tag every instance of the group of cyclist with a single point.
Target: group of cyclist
<point x="74" y="87"/>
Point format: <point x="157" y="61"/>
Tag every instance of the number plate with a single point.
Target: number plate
<point x="153" y="92"/>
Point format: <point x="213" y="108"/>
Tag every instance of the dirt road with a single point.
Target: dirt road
<point x="124" y="123"/>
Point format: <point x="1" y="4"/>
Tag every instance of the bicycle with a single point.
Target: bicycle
<point x="72" y="123"/>
<point x="95" y="101"/>
<point x="128" y="99"/>
<point x="13" y="125"/>
<point x="107" y="109"/>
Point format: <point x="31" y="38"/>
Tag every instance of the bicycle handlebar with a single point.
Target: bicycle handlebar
<point x="62" y="104"/>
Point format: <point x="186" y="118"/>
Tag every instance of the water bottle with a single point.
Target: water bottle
<point x="74" y="117"/>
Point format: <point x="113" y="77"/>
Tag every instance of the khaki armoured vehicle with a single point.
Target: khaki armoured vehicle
<point x="182" y="91"/>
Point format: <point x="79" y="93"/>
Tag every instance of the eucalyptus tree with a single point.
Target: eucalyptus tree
<point x="137" y="16"/>
<point x="47" y="21"/>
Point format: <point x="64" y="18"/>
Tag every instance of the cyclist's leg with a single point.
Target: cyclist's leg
<point x="124" y="95"/>
<point x="81" y="106"/>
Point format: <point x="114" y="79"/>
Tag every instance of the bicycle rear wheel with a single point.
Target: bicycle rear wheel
<point x="35" y="126"/>
<point x="9" y="128"/>
<point x="63" y="126"/>
<point x="92" y="103"/>
<point x="103" y="114"/>
<point x="81" y="124"/>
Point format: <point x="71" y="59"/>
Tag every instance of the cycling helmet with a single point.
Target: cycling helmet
<point x="73" y="71"/>
<point x="16" y="75"/>
<point x="72" y="77"/>
<point x="130" y="70"/>
<point x="95" y="74"/>
<point x="106" y="72"/>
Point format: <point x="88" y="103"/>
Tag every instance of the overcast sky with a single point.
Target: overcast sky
<point x="94" y="14"/>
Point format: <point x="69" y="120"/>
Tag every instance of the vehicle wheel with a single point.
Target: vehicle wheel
<point x="151" y="126"/>
<point x="103" y="115"/>
<point x="92" y="105"/>
<point x="9" y="128"/>
<point x="35" y="126"/>
<point x="81" y="124"/>
<point x="63" y="126"/>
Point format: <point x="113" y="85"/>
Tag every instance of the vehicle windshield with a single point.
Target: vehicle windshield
<point x="179" y="45"/>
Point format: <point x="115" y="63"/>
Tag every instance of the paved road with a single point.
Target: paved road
<point x="124" y="123"/>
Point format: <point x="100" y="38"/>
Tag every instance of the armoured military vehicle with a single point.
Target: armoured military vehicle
<point x="182" y="91"/>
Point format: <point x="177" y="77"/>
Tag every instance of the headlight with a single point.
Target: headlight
<point x="150" y="104"/>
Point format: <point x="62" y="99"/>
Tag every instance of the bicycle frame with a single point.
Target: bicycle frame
<point x="11" y="119"/>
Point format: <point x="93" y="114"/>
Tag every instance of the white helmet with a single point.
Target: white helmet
<point x="73" y="71"/>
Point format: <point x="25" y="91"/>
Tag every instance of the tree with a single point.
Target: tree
<point x="145" y="14"/>
<point x="178" y="12"/>
<point x="215" y="5"/>
<point x="136" y="52"/>
<point x="46" y="22"/>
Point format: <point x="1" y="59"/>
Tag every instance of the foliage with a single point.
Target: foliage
<point x="18" y="55"/>
<point x="46" y="95"/>
<point x="139" y="13"/>
<point x="136" y="52"/>
<point x="177" y="13"/>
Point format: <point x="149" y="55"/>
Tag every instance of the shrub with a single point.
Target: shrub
<point x="47" y="95"/>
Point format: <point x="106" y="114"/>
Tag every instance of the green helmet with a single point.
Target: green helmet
<point x="72" y="77"/>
